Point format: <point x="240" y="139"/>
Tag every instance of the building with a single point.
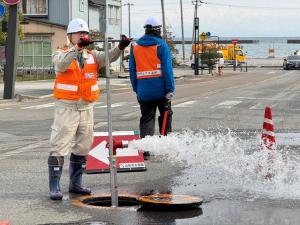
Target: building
<point x="45" y="24"/>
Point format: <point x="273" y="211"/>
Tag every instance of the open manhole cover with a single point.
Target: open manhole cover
<point x="100" y="201"/>
<point x="169" y="202"/>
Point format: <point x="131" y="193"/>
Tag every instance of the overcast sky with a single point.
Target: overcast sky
<point x="258" y="18"/>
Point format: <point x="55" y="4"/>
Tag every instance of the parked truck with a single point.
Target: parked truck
<point x="229" y="53"/>
<point x="232" y="53"/>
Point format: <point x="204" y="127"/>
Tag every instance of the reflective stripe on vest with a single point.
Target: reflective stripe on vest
<point x="146" y="60"/>
<point x="66" y="87"/>
<point x="75" y="83"/>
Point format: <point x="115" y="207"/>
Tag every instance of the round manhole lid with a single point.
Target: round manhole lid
<point x="169" y="201"/>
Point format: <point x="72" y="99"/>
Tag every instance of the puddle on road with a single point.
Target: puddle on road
<point x="221" y="165"/>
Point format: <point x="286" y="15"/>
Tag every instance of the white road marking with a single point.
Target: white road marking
<point x="271" y="72"/>
<point x="48" y="105"/>
<point x="112" y="105"/>
<point x="226" y="104"/>
<point x="100" y="124"/>
<point x="5" y="109"/>
<point x="184" y="104"/>
<point x="262" y="105"/>
<point x="23" y="149"/>
<point x="130" y="115"/>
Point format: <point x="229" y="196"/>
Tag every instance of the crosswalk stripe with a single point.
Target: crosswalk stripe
<point x="112" y="105"/>
<point x="48" y="105"/>
<point x="226" y="104"/>
<point x="184" y="104"/>
<point x="5" y="109"/>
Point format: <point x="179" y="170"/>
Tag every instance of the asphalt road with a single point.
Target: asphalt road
<point x="234" y="102"/>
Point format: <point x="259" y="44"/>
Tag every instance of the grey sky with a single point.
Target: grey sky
<point x="264" y="18"/>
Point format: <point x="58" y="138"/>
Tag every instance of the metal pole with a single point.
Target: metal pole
<point x="112" y="157"/>
<point x="129" y="32"/>
<point x="12" y="54"/>
<point x="164" y="21"/>
<point x="202" y="47"/>
<point x="196" y="39"/>
<point x="234" y="57"/>
<point x="182" y="31"/>
<point x="129" y="19"/>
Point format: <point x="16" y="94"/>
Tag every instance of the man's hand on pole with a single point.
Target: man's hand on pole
<point x="125" y="41"/>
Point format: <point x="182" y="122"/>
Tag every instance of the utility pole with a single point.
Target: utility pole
<point x="182" y="31"/>
<point x="164" y="21"/>
<point x="129" y="23"/>
<point x="10" y="69"/>
<point x="196" y="37"/>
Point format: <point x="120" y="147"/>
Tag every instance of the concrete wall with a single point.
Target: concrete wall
<point x="59" y="11"/>
<point x="79" y="9"/>
<point x="114" y="28"/>
<point x="94" y="18"/>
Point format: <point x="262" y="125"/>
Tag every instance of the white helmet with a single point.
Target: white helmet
<point x="77" y="25"/>
<point x="152" y="21"/>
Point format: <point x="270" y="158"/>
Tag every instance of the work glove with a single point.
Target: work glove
<point x="84" y="41"/>
<point x="125" y="41"/>
<point x="169" y="96"/>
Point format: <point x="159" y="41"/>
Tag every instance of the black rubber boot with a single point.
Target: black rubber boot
<point x="55" y="165"/>
<point x="77" y="167"/>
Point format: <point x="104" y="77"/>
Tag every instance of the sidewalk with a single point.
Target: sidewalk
<point x="40" y="89"/>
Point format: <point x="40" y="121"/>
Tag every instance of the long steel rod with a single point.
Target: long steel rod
<point x="112" y="157"/>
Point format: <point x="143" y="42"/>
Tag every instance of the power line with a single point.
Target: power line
<point x="249" y="6"/>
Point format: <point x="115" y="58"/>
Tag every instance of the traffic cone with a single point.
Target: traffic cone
<point x="268" y="136"/>
<point x="4" y="222"/>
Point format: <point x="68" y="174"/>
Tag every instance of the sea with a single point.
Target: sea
<point x="259" y="49"/>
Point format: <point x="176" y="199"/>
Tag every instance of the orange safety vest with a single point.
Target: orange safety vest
<point x="75" y="83"/>
<point x="146" y="60"/>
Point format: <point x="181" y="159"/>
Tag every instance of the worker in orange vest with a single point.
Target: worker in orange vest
<point x="152" y="78"/>
<point x="75" y="91"/>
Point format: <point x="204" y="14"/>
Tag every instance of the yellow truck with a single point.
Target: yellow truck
<point x="232" y="53"/>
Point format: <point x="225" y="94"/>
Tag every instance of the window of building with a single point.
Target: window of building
<point x="35" y="7"/>
<point x="35" y="51"/>
<point x="114" y="15"/>
<point x="81" y="5"/>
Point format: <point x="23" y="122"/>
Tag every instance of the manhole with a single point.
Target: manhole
<point x="169" y="202"/>
<point x="100" y="201"/>
<point x="163" y="202"/>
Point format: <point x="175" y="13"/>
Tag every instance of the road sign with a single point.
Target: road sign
<point x="234" y="41"/>
<point x="2" y="10"/>
<point x="203" y="36"/>
<point x="11" y="2"/>
<point x="208" y="34"/>
<point x="127" y="159"/>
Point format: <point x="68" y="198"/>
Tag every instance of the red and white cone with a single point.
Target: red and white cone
<point x="268" y="136"/>
<point x="4" y="222"/>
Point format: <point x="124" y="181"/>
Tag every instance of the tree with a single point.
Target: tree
<point x="170" y="42"/>
<point x="3" y="35"/>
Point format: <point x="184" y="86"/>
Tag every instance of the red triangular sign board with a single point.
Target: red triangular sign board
<point x="128" y="159"/>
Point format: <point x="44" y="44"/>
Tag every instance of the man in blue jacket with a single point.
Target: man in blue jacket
<point x="152" y="78"/>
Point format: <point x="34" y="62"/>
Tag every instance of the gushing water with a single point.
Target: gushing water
<point x="223" y="165"/>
